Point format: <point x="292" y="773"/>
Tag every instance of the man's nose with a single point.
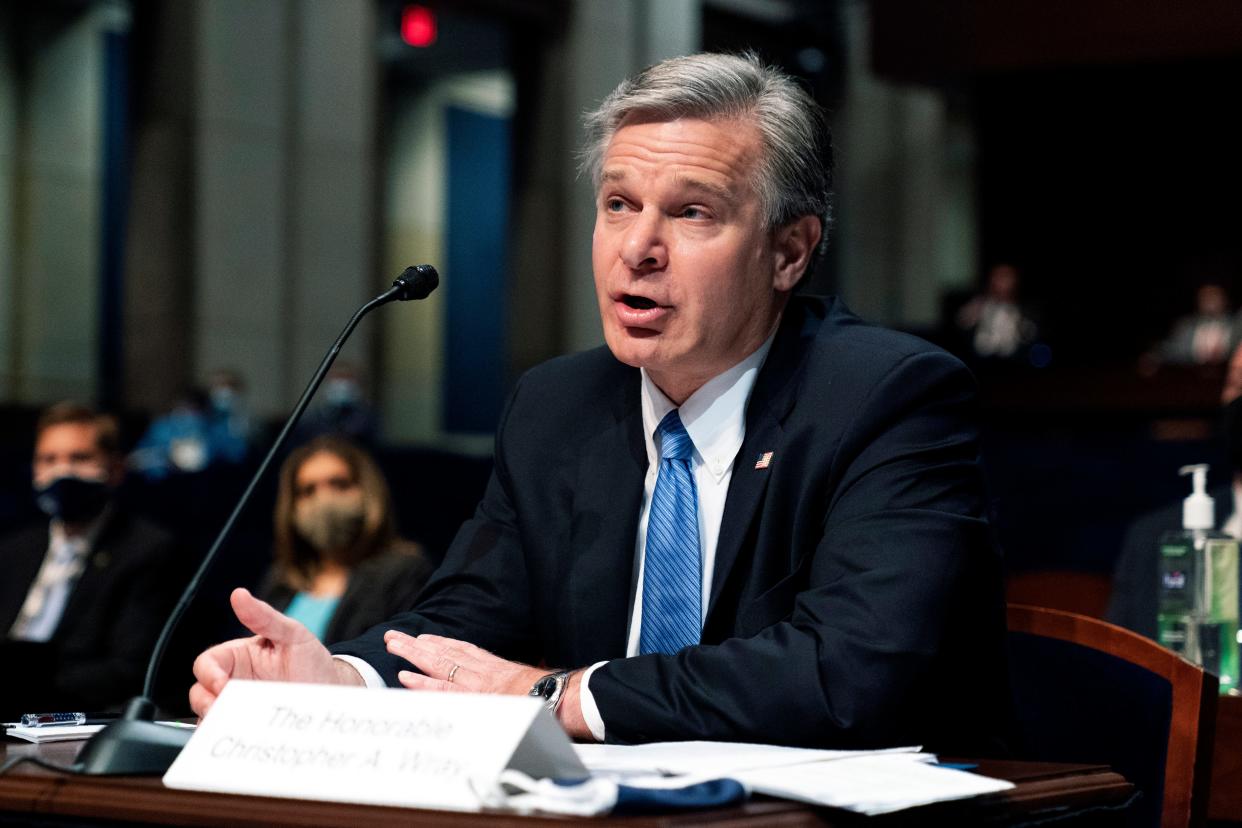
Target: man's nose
<point x="643" y="247"/>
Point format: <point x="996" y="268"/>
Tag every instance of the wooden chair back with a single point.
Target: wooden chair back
<point x="1089" y="691"/>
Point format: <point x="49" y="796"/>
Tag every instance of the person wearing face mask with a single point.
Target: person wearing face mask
<point x="85" y="591"/>
<point x="342" y="409"/>
<point x="204" y="428"/>
<point x="1134" y="599"/>
<point x="339" y="566"/>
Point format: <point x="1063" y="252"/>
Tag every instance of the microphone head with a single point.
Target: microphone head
<point x="416" y="282"/>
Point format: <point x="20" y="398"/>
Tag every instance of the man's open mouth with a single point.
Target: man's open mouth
<point x="638" y="302"/>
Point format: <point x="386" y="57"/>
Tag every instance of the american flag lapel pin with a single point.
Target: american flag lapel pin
<point x="764" y="460"/>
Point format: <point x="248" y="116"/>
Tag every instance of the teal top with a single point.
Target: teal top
<point x="314" y="613"/>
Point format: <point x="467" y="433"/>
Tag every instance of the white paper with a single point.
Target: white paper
<point x="378" y="747"/>
<point x="876" y="784"/>
<point x="868" y="782"/>
<point x="711" y="760"/>
<point x="53" y="733"/>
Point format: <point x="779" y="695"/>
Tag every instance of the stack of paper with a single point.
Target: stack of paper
<point x="53" y="733"/>
<point x="867" y="782"/>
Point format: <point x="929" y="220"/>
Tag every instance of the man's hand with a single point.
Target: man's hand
<point x="456" y="666"/>
<point x="281" y="650"/>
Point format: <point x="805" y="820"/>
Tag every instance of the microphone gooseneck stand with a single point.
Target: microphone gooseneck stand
<point x="135" y="744"/>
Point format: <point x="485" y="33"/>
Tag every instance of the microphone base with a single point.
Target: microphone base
<point x="132" y="746"/>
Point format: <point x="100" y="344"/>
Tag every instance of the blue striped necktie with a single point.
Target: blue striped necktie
<point x="672" y="567"/>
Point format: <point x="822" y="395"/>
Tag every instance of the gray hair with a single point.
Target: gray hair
<point x="794" y="175"/>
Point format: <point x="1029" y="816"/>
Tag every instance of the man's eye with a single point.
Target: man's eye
<point x="693" y="212"/>
<point x="614" y="205"/>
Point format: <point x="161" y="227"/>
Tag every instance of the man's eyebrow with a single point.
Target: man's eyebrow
<point x="688" y="182"/>
<point x="697" y="184"/>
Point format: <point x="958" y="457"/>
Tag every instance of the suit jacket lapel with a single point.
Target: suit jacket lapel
<point x="770" y="403"/>
<point x="95" y="571"/>
<point x="607" y="499"/>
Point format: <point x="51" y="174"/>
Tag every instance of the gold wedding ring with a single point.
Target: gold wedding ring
<point x="453" y="672"/>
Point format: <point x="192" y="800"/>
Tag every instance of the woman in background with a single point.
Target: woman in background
<point x="339" y="566"/>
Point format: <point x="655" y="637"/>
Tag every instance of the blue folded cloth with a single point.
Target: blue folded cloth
<point x="593" y="796"/>
<point x="711" y="794"/>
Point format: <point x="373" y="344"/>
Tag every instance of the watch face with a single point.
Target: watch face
<point x="544" y="688"/>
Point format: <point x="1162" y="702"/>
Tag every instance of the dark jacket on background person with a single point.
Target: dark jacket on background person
<point x="98" y="655"/>
<point x="379" y="587"/>
<point x="1135" y="597"/>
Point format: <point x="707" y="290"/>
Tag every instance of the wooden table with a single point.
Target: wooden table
<point x="29" y="794"/>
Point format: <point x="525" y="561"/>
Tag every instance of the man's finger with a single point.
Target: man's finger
<point x="417" y="681"/>
<point x="433" y="659"/>
<point x="213" y="667"/>
<point x="465" y="648"/>
<point x="446" y="652"/>
<point x="421" y="656"/>
<point x="201" y="699"/>
<point x="262" y="619"/>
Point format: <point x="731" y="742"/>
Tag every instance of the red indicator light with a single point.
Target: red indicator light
<point x="418" y="26"/>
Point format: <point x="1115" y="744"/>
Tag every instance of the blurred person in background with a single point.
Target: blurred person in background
<point x="232" y="428"/>
<point x="996" y="324"/>
<point x="339" y="566"/>
<point x="342" y="409"/>
<point x="86" y="591"/>
<point x="1135" y="596"/>
<point x="204" y="428"/>
<point x="1206" y="336"/>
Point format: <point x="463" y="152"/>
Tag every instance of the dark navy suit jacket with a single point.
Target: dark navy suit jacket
<point x="98" y="654"/>
<point x="856" y="599"/>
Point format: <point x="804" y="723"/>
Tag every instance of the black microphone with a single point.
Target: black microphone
<point x="135" y="744"/>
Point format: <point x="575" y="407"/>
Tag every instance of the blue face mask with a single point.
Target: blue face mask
<point x="341" y="393"/>
<point x="73" y="499"/>
<point x="223" y="399"/>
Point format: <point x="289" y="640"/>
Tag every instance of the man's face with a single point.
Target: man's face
<point x="71" y="449"/>
<point x="689" y="278"/>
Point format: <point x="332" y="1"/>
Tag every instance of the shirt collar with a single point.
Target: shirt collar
<point x="714" y="415"/>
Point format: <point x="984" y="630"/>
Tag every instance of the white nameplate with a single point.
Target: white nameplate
<point x="375" y="747"/>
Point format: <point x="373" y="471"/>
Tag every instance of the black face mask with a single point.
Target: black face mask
<point x="73" y="499"/>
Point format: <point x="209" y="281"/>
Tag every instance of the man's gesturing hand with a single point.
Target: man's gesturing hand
<point x="280" y="650"/>
<point x="451" y="665"/>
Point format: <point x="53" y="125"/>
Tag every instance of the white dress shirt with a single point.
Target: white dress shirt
<point x="715" y="418"/>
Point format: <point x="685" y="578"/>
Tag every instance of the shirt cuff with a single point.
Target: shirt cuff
<point x="372" y="677"/>
<point x="590" y="712"/>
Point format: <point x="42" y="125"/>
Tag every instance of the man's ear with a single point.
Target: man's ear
<point x="793" y="246"/>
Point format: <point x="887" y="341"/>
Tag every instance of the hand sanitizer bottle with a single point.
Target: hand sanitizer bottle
<point x="1198" y="607"/>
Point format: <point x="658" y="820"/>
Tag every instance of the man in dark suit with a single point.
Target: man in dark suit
<point x="84" y="593"/>
<point x="750" y="517"/>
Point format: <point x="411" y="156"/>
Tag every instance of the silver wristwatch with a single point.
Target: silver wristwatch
<point x="551" y="688"/>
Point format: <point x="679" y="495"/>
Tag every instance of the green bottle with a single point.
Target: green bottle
<point x="1198" y="606"/>
<point x="1218" y="624"/>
